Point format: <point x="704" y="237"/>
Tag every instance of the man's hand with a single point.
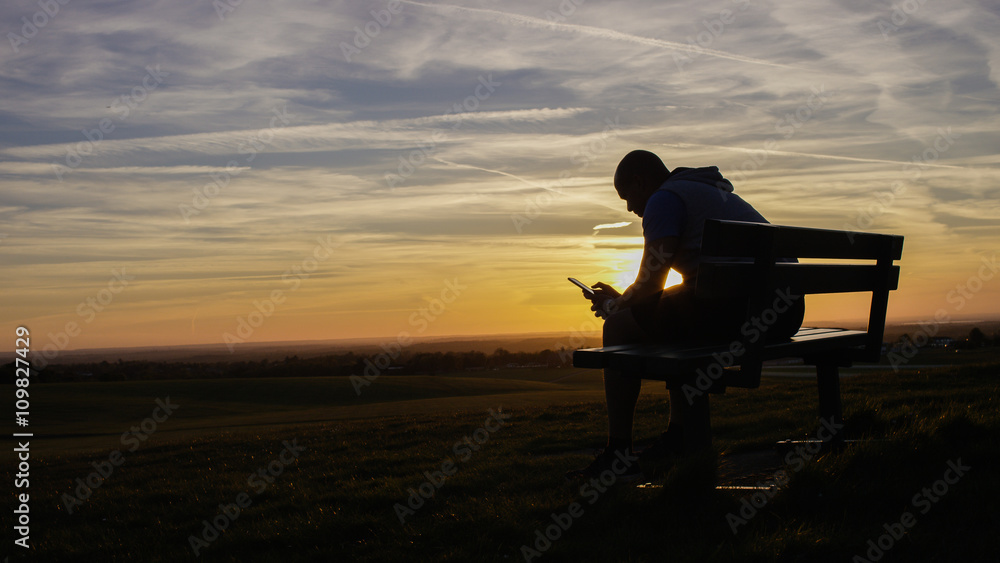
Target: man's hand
<point x="604" y="301"/>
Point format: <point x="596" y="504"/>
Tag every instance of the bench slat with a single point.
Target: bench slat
<point x="596" y="358"/>
<point x="667" y="362"/>
<point x="737" y="238"/>
<point x="811" y="344"/>
<point x="804" y="331"/>
<point x="727" y="278"/>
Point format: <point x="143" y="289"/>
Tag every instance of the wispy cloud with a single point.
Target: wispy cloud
<point x="510" y="186"/>
<point x="595" y="32"/>
<point x="612" y="225"/>
<point x="772" y="151"/>
<point x="298" y="138"/>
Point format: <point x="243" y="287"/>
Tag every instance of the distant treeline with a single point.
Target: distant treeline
<point x="389" y="361"/>
<point x="350" y="363"/>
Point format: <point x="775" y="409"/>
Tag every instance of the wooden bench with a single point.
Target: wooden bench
<point x="697" y="368"/>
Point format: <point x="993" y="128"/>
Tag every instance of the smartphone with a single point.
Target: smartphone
<point x="588" y="290"/>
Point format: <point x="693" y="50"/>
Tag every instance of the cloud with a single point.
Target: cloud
<point x="596" y="32"/>
<point x="497" y="183"/>
<point x="275" y="136"/>
<point x="766" y="151"/>
<point x="618" y="225"/>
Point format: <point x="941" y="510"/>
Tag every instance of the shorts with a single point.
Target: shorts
<point x="675" y="313"/>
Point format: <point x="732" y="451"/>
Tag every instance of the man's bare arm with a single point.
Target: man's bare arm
<point x="657" y="257"/>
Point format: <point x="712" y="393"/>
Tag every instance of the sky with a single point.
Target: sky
<point x="235" y="171"/>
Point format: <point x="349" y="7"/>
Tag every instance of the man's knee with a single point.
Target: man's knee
<point x="621" y="328"/>
<point x="610" y="330"/>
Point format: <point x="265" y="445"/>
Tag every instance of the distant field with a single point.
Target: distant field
<point x="363" y="455"/>
<point x="81" y="416"/>
<point x="86" y="416"/>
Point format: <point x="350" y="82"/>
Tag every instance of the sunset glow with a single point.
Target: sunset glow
<point x="174" y="175"/>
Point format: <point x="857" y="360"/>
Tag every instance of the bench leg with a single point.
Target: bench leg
<point x="697" y="425"/>
<point x="828" y="382"/>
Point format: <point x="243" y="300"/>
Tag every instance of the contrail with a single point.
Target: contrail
<point x="812" y="155"/>
<point x="525" y="180"/>
<point x="601" y="32"/>
<point x="508" y="174"/>
<point x="293" y="137"/>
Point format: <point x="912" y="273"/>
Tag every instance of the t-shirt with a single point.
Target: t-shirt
<point x="664" y="216"/>
<point x="682" y="204"/>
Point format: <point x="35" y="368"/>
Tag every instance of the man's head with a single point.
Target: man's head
<point x="637" y="177"/>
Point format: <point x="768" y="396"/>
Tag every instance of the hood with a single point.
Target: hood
<point x="707" y="175"/>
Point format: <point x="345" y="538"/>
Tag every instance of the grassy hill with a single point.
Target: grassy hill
<point x="307" y="470"/>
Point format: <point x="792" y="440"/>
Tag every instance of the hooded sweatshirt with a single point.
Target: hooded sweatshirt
<point x="701" y="193"/>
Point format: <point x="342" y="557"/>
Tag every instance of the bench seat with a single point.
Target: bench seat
<point x="679" y="363"/>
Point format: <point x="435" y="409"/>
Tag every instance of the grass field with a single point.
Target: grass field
<point x="325" y="475"/>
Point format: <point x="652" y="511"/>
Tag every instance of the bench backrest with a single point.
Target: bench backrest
<point x="761" y="277"/>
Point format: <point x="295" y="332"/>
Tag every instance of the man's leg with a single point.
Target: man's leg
<point x="678" y="406"/>
<point x="680" y="316"/>
<point x="621" y="390"/>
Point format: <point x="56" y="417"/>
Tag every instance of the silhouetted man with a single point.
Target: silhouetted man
<point x="673" y="206"/>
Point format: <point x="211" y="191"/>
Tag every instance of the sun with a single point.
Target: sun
<point x="673" y="278"/>
<point x="626" y="268"/>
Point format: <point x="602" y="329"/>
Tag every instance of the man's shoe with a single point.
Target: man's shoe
<point x="609" y="465"/>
